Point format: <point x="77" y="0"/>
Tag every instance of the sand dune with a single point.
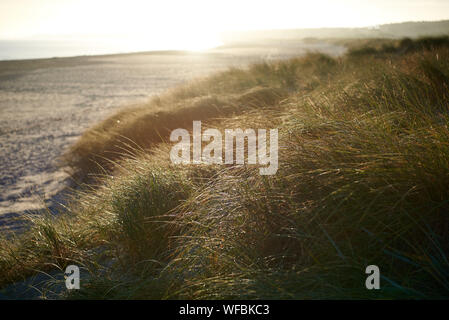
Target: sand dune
<point x="46" y="104"/>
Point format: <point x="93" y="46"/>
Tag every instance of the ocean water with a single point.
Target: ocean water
<point x="37" y="49"/>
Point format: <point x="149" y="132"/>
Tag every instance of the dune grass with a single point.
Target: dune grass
<point x="363" y="179"/>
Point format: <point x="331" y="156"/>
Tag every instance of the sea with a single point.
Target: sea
<point x="38" y="49"/>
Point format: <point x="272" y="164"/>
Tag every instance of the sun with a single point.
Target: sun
<point x="200" y="43"/>
<point x="194" y="39"/>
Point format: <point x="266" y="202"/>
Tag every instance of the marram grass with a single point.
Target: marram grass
<point x="363" y="179"/>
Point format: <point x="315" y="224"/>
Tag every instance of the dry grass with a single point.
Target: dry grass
<point x="363" y="179"/>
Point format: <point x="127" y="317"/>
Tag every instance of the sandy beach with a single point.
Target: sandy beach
<point x="46" y="104"/>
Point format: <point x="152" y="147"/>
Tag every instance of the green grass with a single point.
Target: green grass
<point x="389" y="46"/>
<point x="363" y="179"/>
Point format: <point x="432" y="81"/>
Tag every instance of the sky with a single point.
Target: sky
<point x="200" y="20"/>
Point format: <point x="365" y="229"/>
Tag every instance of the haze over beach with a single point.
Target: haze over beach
<point x="82" y="82"/>
<point x="36" y="29"/>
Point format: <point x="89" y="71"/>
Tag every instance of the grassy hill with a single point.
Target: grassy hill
<point x="384" y="31"/>
<point x="363" y="179"/>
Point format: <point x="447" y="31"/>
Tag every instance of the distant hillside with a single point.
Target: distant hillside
<point x="415" y="29"/>
<point x="394" y="30"/>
